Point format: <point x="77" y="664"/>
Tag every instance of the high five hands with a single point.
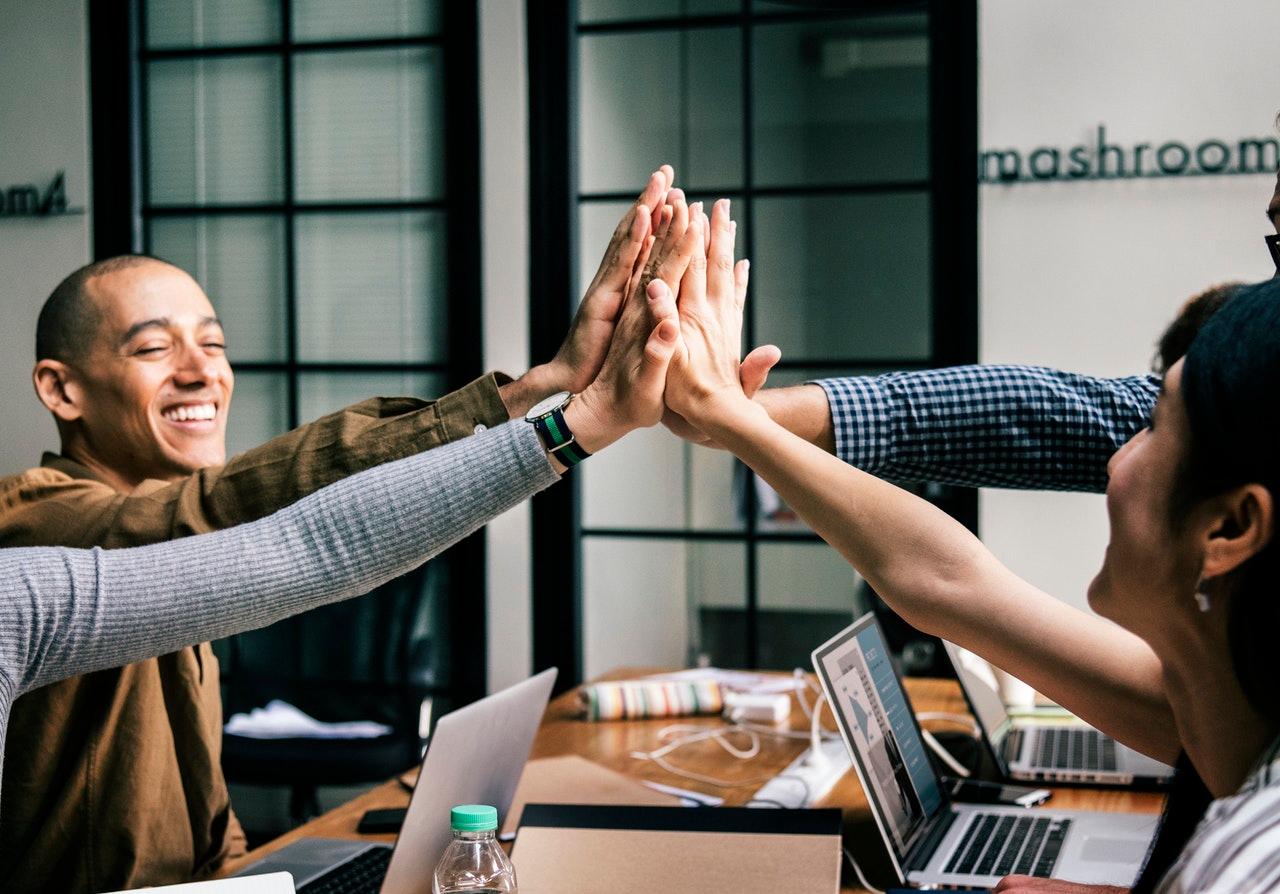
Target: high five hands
<point x="666" y="359"/>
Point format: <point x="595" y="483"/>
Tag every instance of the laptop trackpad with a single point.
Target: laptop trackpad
<point x="1129" y="851"/>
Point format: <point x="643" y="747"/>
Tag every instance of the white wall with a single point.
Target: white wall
<point x="1085" y="275"/>
<point x="44" y="128"/>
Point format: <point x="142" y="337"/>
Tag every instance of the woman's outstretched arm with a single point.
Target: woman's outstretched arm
<point x="920" y="560"/>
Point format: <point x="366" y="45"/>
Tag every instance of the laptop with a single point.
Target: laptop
<point x="476" y="756"/>
<point x="1047" y="752"/>
<point x="932" y="840"/>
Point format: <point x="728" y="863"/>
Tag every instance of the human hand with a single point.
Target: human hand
<point x="628" y="391"/>
<point x="706" y="376"/>
<point x="1026" y="884"/>
<point x="583" y="351"/>
<point x="753" y="373"/>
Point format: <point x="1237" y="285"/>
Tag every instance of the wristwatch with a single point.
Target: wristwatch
<point x="547" y="417"/>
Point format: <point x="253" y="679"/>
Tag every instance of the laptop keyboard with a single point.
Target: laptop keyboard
<point x="1002" y="844"/>
<point x="362" y="874"/>
<point x="1068" y="748"/>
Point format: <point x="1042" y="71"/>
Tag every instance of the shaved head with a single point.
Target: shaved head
<point x="69" y="320"/>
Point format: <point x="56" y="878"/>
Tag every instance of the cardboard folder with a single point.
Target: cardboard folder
<point x="575" y="780"/>
<point x="570" y="849"/>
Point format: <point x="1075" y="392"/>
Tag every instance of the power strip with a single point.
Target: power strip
<point x="803" y="782"/>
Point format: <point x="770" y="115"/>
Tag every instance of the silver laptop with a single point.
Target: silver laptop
<point x="931" y="840"/>
<point x="476" y="756"/>
<point x="1046" y="752"/>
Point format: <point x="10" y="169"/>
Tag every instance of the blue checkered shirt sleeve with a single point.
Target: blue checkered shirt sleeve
<point x="1023" y="427"/>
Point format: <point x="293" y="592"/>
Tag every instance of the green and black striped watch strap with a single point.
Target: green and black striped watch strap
<point x="558" y="439"/>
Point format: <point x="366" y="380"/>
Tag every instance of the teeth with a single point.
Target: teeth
<point x="189" y="413"/>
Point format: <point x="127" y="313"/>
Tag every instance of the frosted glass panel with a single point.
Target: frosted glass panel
<point x="322" y="393"/>
<point x="809" y="576"/>
<point x="841" y="102"/>
<point x="661" y="602"/>
<point x="259" y="410"/>
<point x="646" y="99"/>
<point x="808" y="593"/>
<point x="369" y="125"/>
<point x="371" y="287"/>
<point x="651" y="479"/>
<point x="214" y="129"/>
<point x="843" y="276"/>
<point x="336" y="20"/>
<point x="209" y="23"/>
<point x="629" y="10"/>
<point x="240" y="263"/>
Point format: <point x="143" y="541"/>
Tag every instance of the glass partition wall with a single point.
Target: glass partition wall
<point x="821" y="124"/>
<point x="292" y="156"/>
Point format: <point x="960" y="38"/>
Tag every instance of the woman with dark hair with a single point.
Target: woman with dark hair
<point x="1189" y="577"/>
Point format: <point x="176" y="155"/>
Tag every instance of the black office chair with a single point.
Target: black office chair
<point x="380" y="658"/>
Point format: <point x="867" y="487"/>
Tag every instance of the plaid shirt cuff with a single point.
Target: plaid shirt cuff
<point x="860" y="419"/>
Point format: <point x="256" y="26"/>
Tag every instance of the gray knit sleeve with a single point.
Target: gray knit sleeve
<point x="65" y="612"/>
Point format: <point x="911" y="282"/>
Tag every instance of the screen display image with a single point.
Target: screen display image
<point x="878" y="716"/>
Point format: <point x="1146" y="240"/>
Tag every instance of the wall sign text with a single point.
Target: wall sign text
<point x="30" y="200"/>
<point x="1103" y="160"/>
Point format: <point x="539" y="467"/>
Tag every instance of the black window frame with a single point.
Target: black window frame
<point x="122" y="214"/>
<point x="952" y="185"/>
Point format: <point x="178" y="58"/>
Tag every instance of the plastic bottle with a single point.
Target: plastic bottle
<point x="474" y="863"/>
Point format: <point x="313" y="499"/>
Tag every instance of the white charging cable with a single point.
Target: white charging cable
<point x="937" y="748"/>
<point x="857" y="870"/>
<point x="719" y="735"/>
<point x="690" y="734"/>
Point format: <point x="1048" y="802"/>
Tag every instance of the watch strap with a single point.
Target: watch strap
<point x="558" y="439"/>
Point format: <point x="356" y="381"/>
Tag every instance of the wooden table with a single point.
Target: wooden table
<point x="611" y="744"/>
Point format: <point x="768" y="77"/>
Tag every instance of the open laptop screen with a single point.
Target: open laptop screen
<point x="872" y="707"/>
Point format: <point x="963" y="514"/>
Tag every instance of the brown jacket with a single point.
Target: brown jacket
<point x="112" y="780"/>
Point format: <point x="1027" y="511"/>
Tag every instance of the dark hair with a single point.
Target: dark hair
<point x="69" y="320"/>
<point x="1230" y="383"/>
<point x="1178" y="335"/>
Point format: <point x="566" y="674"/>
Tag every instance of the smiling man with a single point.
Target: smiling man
<point x="113" y="779"/>
<point x="132" y="364"/>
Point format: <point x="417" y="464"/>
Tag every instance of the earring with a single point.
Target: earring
<point x="1202" y="601"/>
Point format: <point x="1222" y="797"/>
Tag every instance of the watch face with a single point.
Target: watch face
<point x="545" y="407"/>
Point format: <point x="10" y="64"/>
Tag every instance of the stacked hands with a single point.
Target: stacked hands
<point x="658" y="335"/>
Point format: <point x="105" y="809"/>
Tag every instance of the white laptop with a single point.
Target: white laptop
<point x="1046" y="752"/>
<point x="932" y="840"/>
<point x="476" y="756"/>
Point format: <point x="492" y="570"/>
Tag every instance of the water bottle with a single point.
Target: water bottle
<point x="473" y="863"/>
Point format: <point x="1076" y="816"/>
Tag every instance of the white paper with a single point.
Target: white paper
<point x="281" y="720"/>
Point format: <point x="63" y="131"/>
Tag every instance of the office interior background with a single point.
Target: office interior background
<point x="394" y="201"/>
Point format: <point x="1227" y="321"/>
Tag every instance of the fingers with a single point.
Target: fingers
<point x="741" y="274"/>
<point x="629" y="234"/>
<point x="720" y="254"/>
<point x="675" y="197"/>
<point x="755" y="368"/>
<point x="693" y="284"/>
<point x="651" y="377"/>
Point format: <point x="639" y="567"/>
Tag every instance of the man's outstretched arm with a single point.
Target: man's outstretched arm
<point x="262" y="480"/>
<point x="1025" y="427"/>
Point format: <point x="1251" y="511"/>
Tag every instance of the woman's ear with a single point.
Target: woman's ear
<point x="57" y="389"/>
<point x="1241" y="525"/>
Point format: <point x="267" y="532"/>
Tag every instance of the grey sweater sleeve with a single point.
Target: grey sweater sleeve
<point x="66" y="612"/>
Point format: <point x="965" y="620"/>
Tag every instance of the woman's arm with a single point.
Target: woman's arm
<point x="920" y="560"/>
<point x="941" y="579"/>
